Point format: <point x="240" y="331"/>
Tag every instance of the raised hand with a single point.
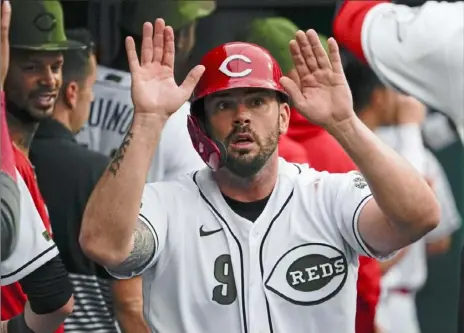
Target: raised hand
<point x="324" y="97"/>
<point x="5" y="45"/>
<point x="154" y="90"/>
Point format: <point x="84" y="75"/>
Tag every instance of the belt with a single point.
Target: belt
<point x="404" y="291"/>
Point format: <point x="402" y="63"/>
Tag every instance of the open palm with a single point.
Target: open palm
<point x="154" y="90"/>
<point x="324" y="97"/>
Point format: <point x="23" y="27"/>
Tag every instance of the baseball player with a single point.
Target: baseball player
<point x="112" y="109"/>
<point x="253" y="243"/>
<point x="396" y="312"/>
<point x="418" y="50"/>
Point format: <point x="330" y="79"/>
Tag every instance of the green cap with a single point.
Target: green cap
<point x="37" y="25"/>
<point x="274" y="34"/>
<point x="176" y="13"/>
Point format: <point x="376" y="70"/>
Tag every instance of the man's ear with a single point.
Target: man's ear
<point x="284" y="117"/>
<point x="71" y="93"/>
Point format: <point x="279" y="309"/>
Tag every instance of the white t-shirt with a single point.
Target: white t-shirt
<point x="34" y="247"/>
<point x="420" y="51"/>
<point x="293" y="270"/>
<point x="110" y="118"/>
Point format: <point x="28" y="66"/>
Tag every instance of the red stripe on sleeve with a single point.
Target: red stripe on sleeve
<point x="348" y="23"/>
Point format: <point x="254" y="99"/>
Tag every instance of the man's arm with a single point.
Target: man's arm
<point x="128" y="305"/>
<point x="50" y="300"/>
<point x="107" y="233"/>
<point x="394" y="219"/>
<point x="416" y="50"/>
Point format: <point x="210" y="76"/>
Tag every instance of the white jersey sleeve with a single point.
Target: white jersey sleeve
<point x="35" y="246"/>
<point x="345" y="196"/>
<point x="154" y="214"/>
<point x="407" y="141"/>
<point x="450" y="218"/>
<point x="419" y="51"/>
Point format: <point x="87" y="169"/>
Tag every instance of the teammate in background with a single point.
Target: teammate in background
<point x="396" y="118"/>
<point x="112" y="109"/>
<point x="42" y="298"/>
<point x="417" y="50"/>
<point x="320" y="150"/>
<point x="215" y="268"/>
<point x="9" y="205"/>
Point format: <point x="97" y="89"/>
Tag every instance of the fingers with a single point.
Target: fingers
<point x="147" y="44"/>
<point x="306" y="51"/>
<point x="191" y="80"/>
<point x="334" y="54"/>
<point x="169" y="48"/>
<point x="298" y="60"/>
<point x="293" y="91"/>
<point x="5" y="20"/>
<point x="318" y="51"/>
<point x="158" y="40"/>
<point x="132" y="58"/>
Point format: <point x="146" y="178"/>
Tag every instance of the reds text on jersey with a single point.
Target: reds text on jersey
<point x="293" y="270"/>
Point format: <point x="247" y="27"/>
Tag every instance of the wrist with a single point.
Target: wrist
<point x="343" y="128"/>
<point x="148" y="121"/>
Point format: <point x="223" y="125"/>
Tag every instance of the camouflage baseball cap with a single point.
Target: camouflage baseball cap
<point x="274" y="34"/>
<point x="37" y="25"/>
<point x="176" y="13"/>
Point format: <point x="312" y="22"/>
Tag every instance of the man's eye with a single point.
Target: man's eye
<point x="56" y="68"/>
<point x="256" y="102"/>
<point x="30" y="68"/>
<point x="222" y="106"/>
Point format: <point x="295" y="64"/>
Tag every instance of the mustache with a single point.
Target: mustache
<point x="240" y="130"/>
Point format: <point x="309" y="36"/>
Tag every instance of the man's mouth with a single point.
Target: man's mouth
<point x="45" y="100"/>
<point x="242" y="140"/>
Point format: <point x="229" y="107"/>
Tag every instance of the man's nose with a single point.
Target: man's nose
<point x="48" y="78"/>
<point x="242" y="114"/>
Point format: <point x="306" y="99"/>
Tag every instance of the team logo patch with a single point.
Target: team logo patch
<point x="47" y="235"/>
<point x="45" y="22"/>
<point x="309" y="274"/>
<point x="226" y="70"/>
<point x="358" y="180"/>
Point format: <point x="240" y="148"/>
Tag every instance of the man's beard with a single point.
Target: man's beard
<point x="244" y="166"/>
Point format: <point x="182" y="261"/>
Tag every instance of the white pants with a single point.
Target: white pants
<point x="396" y="313"/>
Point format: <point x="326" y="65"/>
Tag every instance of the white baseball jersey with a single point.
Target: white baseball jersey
<point x="110" y="118"/>
<point x="420" y="51"/>
<point x="34" y="247"/>
<point x="293" y="270"/>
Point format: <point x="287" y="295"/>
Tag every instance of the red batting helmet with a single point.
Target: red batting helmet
<point x="229" y="66"/>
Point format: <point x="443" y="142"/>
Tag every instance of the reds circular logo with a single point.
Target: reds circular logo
<point x="309" y="274"/>
<point x="224" y="69"/>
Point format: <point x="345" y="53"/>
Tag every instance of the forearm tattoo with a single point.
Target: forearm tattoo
<point x="143" y="251"/>
<point x="120" y="153"/>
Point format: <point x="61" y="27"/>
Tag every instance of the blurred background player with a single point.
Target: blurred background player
<point x="112" y="109"/>
<point x="397" y="119"/>
<point x="305" y="142"/>
<point x="417" y="50"/>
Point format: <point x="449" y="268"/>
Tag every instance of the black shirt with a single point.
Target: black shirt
<point x="248" y="210"/>
<point x="66" y="174"/>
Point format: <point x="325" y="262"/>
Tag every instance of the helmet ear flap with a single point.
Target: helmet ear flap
<point x="212" y="152"/>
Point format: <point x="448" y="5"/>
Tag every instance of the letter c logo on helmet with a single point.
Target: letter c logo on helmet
<point x="223" y="68"/>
